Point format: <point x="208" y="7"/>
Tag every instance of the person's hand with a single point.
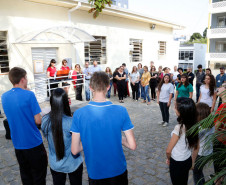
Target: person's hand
<point x="193" y="166"/>
<point x="168" y="104"/>
<point x="168" y="162"/>
<point x="133" y="83"/>
<point x="157" y="101"/>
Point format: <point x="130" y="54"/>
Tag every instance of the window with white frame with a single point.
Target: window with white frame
<point x="96" y="50"/>
<point x="4" y="59"/>
<point x="135" y="50"/>
<point x="185" y="55"/>
<point x="162" y="47"/>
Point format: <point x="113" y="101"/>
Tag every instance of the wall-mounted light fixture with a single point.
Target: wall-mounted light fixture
<point x="152" y="26"/>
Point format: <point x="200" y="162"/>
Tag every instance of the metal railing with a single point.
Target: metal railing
<point x="41" y="86"/>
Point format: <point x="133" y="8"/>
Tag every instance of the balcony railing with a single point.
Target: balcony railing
<point x="218" y="7"/>
<point x="216" y="56"/>
<point x="216" y="33"/>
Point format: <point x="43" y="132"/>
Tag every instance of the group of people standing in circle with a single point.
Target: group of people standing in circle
<point x="97" y="127"/>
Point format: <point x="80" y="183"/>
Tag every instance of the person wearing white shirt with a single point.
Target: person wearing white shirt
<point x="179" y="149"/>
<point x="134" y="82"/>
<point x="164" y="96"/>
<point x="208" y="93"/>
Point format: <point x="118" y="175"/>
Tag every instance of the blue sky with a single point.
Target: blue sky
<point x="191" y="13"/>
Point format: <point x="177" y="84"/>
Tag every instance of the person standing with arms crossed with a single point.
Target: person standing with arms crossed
<point x="100" y="136"/>
<point x="23" y="118"/>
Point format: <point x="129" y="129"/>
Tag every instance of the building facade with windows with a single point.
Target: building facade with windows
<point x="31" y="34"/>
<point x="217" y="35"/>
<point x="191" y="55"/>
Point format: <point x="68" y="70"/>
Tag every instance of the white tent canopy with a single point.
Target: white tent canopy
<point x="54" y="35"/>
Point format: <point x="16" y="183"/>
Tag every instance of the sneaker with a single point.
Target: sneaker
<point x="160" y="123"/>
<point x="1" y="116"/>
<point x="165" y="124"/>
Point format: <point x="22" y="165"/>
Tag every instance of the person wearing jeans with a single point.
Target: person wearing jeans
<point x="145" y="84"/>
<point x="164" y="96"/>
<point x="140" y="92"/>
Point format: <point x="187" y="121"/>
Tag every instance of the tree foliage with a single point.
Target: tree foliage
<point x="97" y="6"/>
<point x="195" y="36"/>
<point x="204" y="33"/>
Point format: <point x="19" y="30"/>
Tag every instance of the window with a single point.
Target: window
<point x="162" y="47"/>
<point x="221" y="47"/>
<point x="4" y="61"/>
<point x="135" y="50"/>
<point x="221" y="21"/>
<point x="186" y="55"/>
<point x="218" y="65"/>
<point x="96" y="50"/>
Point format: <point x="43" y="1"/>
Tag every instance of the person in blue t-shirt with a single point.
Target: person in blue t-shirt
<point x="23" y="113"/>
<point x="56" y="128"/>
<point x="100" y="135"/>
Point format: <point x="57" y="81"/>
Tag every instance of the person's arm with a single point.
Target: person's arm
<point x="173" y="141"/>
<point x="76" y="144"/>
<point x="158" y="94"/>
<point x="200" y="96"/>
<point x="117" y="77"/>
<point x="38" y="119"/>
<point x="48" y="74"/>
<point x="170" y="98"/>
<point x="190" y="95"/>
<point x="194" y="155"/>
<point x="214" y="102"/>
<point x="176" y="95"/>
<point x="129" y="140"/>
<point x="124" y="77"/>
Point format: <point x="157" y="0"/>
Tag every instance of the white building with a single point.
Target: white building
<point x="217" y="35"/>
<point x="191" y="55"/>
<point x="122" y="36"/>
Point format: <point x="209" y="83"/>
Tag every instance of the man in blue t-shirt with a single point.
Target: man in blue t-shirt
<point x="23" y="113"/>
<point x="97" y="129"/>
<point x="220" y="79"/>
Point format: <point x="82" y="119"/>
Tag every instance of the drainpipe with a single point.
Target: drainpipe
<point x="73" y="9"/>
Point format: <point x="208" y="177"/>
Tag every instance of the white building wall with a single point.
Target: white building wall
<point x="19" y="17"/>
<point x="200" y="55"/>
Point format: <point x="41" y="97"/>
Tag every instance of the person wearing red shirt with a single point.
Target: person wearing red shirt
<point x="65" y="68"/>
<point x="220" y="126"/>
<point x="77" y="76"/>
<point x="51" y="70"/>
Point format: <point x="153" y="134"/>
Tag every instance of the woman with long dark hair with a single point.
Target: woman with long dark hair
<point x="121" y="83"/>
<point x="109" y="73"/>
<point x="184" y="88"/>
<point x="203" y="111"/>
<point x="208" y="93"/>
<point x="164" y="96"/>
<point x="153" y="82"/>
<point x="134" y="77"/>
<point x="115" y="81"/>
<point x="51" y="71"/>
<point x="77" y="76"/>
<point x="56" y="128"/>
<point x="179" y="149"/>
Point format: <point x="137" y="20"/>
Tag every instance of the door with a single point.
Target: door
<point x="43" y="55"/>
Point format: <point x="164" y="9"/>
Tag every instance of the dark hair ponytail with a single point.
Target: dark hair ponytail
<point x="188" y="117"/>
<point x="59" y="106"/>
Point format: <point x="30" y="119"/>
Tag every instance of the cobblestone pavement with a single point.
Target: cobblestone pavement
<point x="146" y="165"/>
